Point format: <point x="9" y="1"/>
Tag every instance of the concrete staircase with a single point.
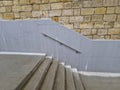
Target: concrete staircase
<point x="52" y="75"/>
<point x="40" y="72"/>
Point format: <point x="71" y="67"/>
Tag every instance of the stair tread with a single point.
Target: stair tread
<point x="60" y="78"/>
<point x="69" y="80"/>
<point x="37" y="78"/>
<point x="49" y="80"/>
<point x="77" y="81"/>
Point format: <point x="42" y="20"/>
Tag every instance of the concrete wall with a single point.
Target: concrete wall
<point x="96" y="19"/>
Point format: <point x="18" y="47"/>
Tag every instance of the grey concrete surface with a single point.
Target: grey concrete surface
<point x="14" y="68"/>
<point x="100" y="81"/>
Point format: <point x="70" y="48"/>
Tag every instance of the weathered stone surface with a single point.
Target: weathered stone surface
<point x="63" y="19"/>
<point x="76" y="11"/>
<point x="110" y="2"/>
<point x="99" y="25"/>
<point x="100" y="10"/>
<point x="109" y="24"/>
<point x="7" y="3"/>
<point x="8" y="15"/>
<point x="8" y="9"/>
<point x="56" y="5"/>
<point x="94" y="31"/>
<point x="97" y="17"/>
<point x="67" y="5"/>
<point x="115" y="37"/>
<point x="2" y="9"/>
<point x="118" y="18"/>
<point x="97" y="3"/>
<point x="117" y="24"/>
<point x="36" y="13"/>
<point x="44" y="6"/>
<point x="1" y="3"/>
<point x="110" y="9"/>
<point x="67" y="12"/>
<point x="16" y="8"/>
<point x="102" y="31"/>
<point x="87" y="3"/>
<point x="27" y="8"/>
<point x="117" y="10"/>
<point x="76" y="19"/>
<point x="86" y="25"/>
<point x="34" y="1"/>
<point x="111" y="17"/>
<point x="36" y="7"/>
<point x="76" y="25"/>
<point x="87" y="18"/>
<point x="54" y="13"/>
<point x="87" y="11"/>
<point x="70" y="26"/>
<point x="17" y="15"/>
<point x="98" y="37"/>
<point x="15" y="2"/>
<point x="25" y="15"/>
<point x="44" y="14"/>
<point x="24" y="1"/>
<point x="114" y="31"/>
<point x="55" y="18"/>
<point x="86" y="31"/>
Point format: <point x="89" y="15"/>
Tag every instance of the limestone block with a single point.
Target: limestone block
<point x="87" y="11"/>
<point x="56" y="5"/>
<point x="110" y="17"/>
<point x="8" y="15"/>
<point x="76" y="19"/>
<point x="27" y="8"/>
<point x="36" y="7"/>
<point x="7" y="3"/>
<point x="77" y="25"/>
<point x="86" y="31"/>
<point x="15" y="2"/>
<point x="110" y="10"/>
<point x="69" y="26"/>
<point x="117" y="24"/>
<point x="54" y="13"/>
<point x="16" y="8"/>
<point x="8" y="9"/>
<point x="24" y="15"/>
<point x="17" y="15"/>
<point x="87" y="18"/>
<point x="97" y="17"/>
<point x="67" y="12"/>
<point x="76" y="11"/>
<point x="36" y="13"/>
<point x="1" y="3"/>
<point x="44" y="6"/>
<point x="117" y="10"/>
<point x="24" y="2"/>
<point x="110" y="2"/>
<point x="115" y="37"/>
<point x="99" y="25"/>
<point x="45" y="1"/>
<point x="86" y="25"/>
<point x="63" y="19"/>
<point x="114" y="31"/>
<point x="2" y="9"/>
<point x="118" y="17"/>
<point x="67" y="5"/>
<point x="97" y="3"/>
<point x="102" y="32"/>
<point x="87" y="3"/>
<point x="109" y="24"/>
<point x="100" y="10"/>
<point x="94" y="31"/>
<point x="34" y="1"/>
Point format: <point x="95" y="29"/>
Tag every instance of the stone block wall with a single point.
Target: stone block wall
<point x="96" y="19"/>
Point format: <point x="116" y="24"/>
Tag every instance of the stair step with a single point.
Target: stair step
<point x="38" y="76"/>
<point x="48" y="82"/>
<point x="60" y="78"/>
<point x="77" y="81"/>
<point x="33" y="67"/>
<point x="69" y="79"/>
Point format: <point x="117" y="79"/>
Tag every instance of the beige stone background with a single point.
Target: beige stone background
<point x="96" y="19"/>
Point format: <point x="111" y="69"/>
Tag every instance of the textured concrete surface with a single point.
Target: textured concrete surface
<point x="14" y="68"/>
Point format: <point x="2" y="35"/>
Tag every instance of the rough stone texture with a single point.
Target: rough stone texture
<point x="74" y="14"/>
<point x="100" y="10"/>
<point x="54" y="13"/>
<point x="57" y="6"/>
<point x="67" y="12"/>
<point x="87" y="11"/>
<point x="110" y="17"/>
